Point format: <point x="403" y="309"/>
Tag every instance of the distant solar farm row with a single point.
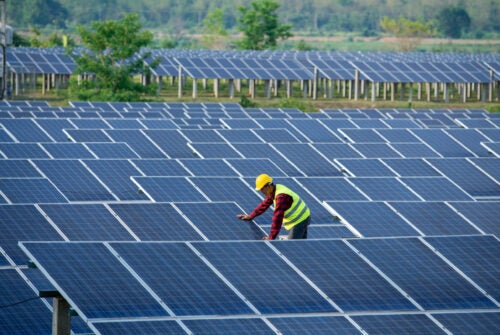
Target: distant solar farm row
<point x="128" y="212"/>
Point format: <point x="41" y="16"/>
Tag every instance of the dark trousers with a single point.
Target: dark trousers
<point x="299" y="231"/>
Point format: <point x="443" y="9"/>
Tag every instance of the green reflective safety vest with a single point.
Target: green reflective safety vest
<point x="297" y="213"/>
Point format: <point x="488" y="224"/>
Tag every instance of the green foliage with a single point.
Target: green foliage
<point x="215" y="32"/>
<point x="408" y="32"/>
<point x="293" y="103"/>
<point x="303" y="46"/>
<point x="494" y="108"/>
<point x="112" y="57"/>
<point x="260" y="27"/>
<point x="453" y="21"/>
<point x="247" y="103"/>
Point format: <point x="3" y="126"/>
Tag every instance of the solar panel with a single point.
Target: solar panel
<point x="327" y="263"/>
<point x="229" y="326"/>
<point x="376" y="150"/>
<point x="414" y="150"/>
<point x="86" y="222"/>
<point x="411" y="167"/>
<point x="422" y="274"/>
<point x="362" y="136"/>
<point x="365" y="167"/>
<point x="471" y="139"/>
<point x="138" y="141"/>
<point x="74" y="180"/>
<point x="372" y="219"/>
<point x="112" y="150"/>
<point x="240" y="262"/>
<point x="94" y="280"/>
<point x="22" y="151"/>
<point x="334" y="189"/>
<point x="483" y="214"/>
<point x="17" y="168"/>
<point x="161" y="167"/>
<point x="326" y="231"/>
<point x="442" y="143"/>
<point x="384" y="189"/>
<point x="155" y="222"/>
<point x="54" y="127"/>
<point x="248" y="167"/>
<point x="395" y="324"/>
<point x="475" y="256"/>
<point x="436" y="189"/>
<point x="434" y="218"/>
<point x="490" y="166"/>
<point x="213" y="150"/>
<point x="470" y="323"/>
<point x="336" y="150"/>
<point x="26" y="130"/>
<point x="168" y="189"/>
<point x="30" y="191"/>
<point x="217" y="221"/>
<point x="315" y="131"/>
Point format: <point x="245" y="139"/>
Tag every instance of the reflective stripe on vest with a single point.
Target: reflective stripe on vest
<point x="297" y="213"/>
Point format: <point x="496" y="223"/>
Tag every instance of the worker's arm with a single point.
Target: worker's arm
<point x="283" y="202"/>
<point x="261" y="208"/>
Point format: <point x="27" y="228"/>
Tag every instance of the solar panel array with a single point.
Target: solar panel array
<point x="128" y="210"/>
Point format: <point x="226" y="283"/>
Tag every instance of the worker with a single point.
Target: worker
<point x="289" y="209"/>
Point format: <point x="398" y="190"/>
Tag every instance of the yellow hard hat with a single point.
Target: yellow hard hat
<point x="262" y="180"/>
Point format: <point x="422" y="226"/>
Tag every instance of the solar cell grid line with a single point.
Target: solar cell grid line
<point x="54" y="127"/>
<point x="164" y="189"/>
<point x="336" y="150"/>
<point x="17" y="168"/>
<point x="476" y="257"/>
<point x="483" y="323"/>
<point x="467" y="176"/>
<point x="115" y="150"/>
<point x="155" y="222"/>
<point x="253" y="268"/>
<point x="93" y="280"/>
<point x="370" y="123"/>
<point x="397" y="136"/>
<point x="202" y="136"/>
<point x="21" y="223"/>
<point x="139" y="142"/>
<point x="272" y="125"/>
<point x="247" y="167"/>
<point x="29" y="191"/>
<point x="489" y="166"/>
<point x="277" y="135"/>
<point x="172" y="142"/>
<point x="89" y="123"/>
<point x="23" y="151"/>
<point x="231" y="326"/>
<point x="372" y="219"/>
<point x="328" y="262"/>
<point x="422" y="274"/>
<point x="213" y="150"/>
<point x="67" y="150"/>
<point x="314" y="131"/>
<point x="239" y="136"/>
<point x="365" y="167"/>
<point x="493" y="148"/>
<point x="411" y="167"/>
<point x="395" y="324"/>
<point x="385" y="189"/>
<point x="85" y="222"/>
<point x="240" y="123"/>
<point x="216" y="221"/>
<point x="125" y="124"/>
<point x="310" y="162"/>
<point x="74" y="180"/>
<point x="115" y="174"/>
<point x="434" y="218"/>
<point x="471" y="139"/>
<point x="30" y="317"/>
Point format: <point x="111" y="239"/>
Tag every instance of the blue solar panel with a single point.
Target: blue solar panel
<point x="315" y="131"/>
<point x="362" y="136"/>
<point x="68" y="150"/>
<point x="468" y="177"/>
<point x="155" y="222"/>
<point x="94" y="279"/>
<point x="326" y="231"/>
<point x="168" y="189"/>
<point x="161" y="167"/>
<point x="86" y="222"/>
<point x="214" y="150"/>
<point x="21" y="223"/>
<point x="436" y="189"/>
<point x="182" y="269"/>
<point x="422" y="274"/>
<point x="442" y="143"/>
<point x="22" y="311"/>
<point x="30" y="191"/>
<point x="414" y="150"/>
<point x="365" y="167"/>
<point x="54" y="127"/>
<point x="336" y="189"/>
<point x="74" y="180"/>
<point x="248" y="167"/>
<point x="490" y="166"/>
<point x="470" y="323"/>
<point x="310" y="162"/>
<point x="115" y="174"/>
<point x="17" y="168"/>
<point x="25" y="130"/>
<point x="229" y="327"/>
<point x="202" y="136"/>
<point x="138" y="141"/>
<point x="276" y="135"/>
<point x="327" y="263"/>
<point x="336" y="150"/>
<point x="314" y="325"/>
<point x="376" y="150"/>
<point x="483" y="214"/>
<point x="171" y="142"/>
<point x="471" y="139"/>
<point x="241" y="262"/>
<point x="217" y="221"/>
<point x="434" y="218"/>
<point x="22" y="150"/>
<point x="396" y="324"/>
<point x="384" y="189"/>
<point x="476" y="256"/>
<point x="372" y="219"/>
<point x="87" y="135"/>
<point x="112" y="150"/>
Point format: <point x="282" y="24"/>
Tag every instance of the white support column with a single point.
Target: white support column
<point x="61" y="320"/>
<point x="179" y="83"/>
<point x="230" y="84"/>
<point x="374" y="91"/>
<point x="446" y="92"/>
<point x="195" y="88"/>
<point x="356" y="85"/>
<point x="252" y="88"/>
<point x="216" y="88"/>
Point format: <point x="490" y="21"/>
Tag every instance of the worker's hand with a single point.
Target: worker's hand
<point x="267" y="238"/>
<point x="243" y="217"/>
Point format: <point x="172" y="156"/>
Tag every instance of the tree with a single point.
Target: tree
<point x="409" y="33"/>
<point x="113" y="57"/>
<point x="260" y="26"/>
<point x="453" y="21"/>
<point x="215" y="32"/>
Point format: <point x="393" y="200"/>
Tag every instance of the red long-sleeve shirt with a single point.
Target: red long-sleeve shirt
<point x="283" y="202"/>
